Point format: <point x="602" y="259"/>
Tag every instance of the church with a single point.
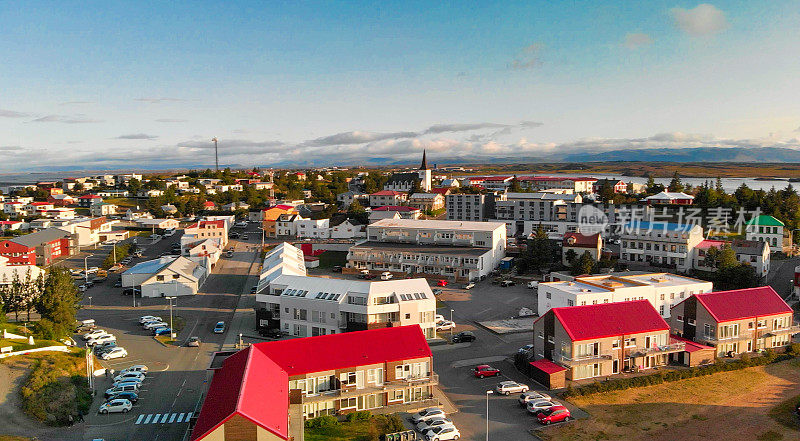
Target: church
<point x="405" y="181"/>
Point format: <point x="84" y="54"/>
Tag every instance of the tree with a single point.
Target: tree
<point x="515" y="187"/>
<point x="570" y="255"/>
<point x="584" y="265"/>
<point x="675" y="185"/>
<point x="59" y="300"/>
<point x="727" y="258"/>
<point x="134" y="185"/>
<point x="540" y="253"/>
<point x="416" y="187"/>
<point x="356" y="211"/>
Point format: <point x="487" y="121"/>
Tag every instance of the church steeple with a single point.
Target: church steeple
<point x="424" y="165"/>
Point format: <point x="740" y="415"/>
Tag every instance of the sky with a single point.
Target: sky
<point x="112" y="85"/>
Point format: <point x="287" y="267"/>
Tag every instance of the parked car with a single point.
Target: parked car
<point x="336" y="269"/>
<point x="115" y="406"/>
<point x="511" y="387"/>
<point x="135" y="368"/>
<point x="103" y="347"/>
<point x="117" y="352"/>
<point x="423" y="426"/>
<point x="532" y="395"/>
<point x="438" y="318"/>
<point x="129" y="291"/>
<point x="100" y="339"/>
<point x="464" y="336"/>
<point x="118" y="284"/>
<point x="244" y="237"/>
<point x="469" y="285"/>
<point x="525" y="349"/>
<point x="127" y="387"/>
<point x="445" y="325"/>
<point x="229" y="253"/>
<point x="154" y="324"/>
<point x="133" y="381"/>
<point x="93" y="333"/>
<point x="123" y="376"/>
<point x="130" y="396"/>
<point x="427" y="414"/>
<point x="162" y="331"/>
<point x="148" y="318"/>
<point x="484" y="370"/>
<point x="441" y="282"/>
<point x="554" y="414"/>
<point x="535" y="407"/>
<point x="506" y="283"/>
<point x="155" y="237"/>
<point x="169" y="232"/>
<point x="253" y="289"/>
<point x="444" y="432"/>
<point x="533" y="284"/>
<point x="219" y="328"/>
<point x="436" y="291"/>
<point x="193" y="342"/>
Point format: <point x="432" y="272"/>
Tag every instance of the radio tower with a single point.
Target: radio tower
<point x="216" y="154"/>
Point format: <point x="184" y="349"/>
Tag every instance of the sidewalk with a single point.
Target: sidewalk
<point x="244" y="317"/>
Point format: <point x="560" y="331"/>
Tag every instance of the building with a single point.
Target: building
<point x="166" y="276"/>
<point x="103" y="209"/>
<point x="769" y="230"/>
<point x="605" y="339"/>
<point x="343" y="228"/>
<point x="617" y="185"/>
<point x="206" y="229"/>
<point x="394" y="212"/>
<point x="61" y="200"/>
<point x="469" y="207"/>
<point x="660" y="244"/>
<point x="9" y="272"/>
<point x="736" y="321"/>
<point x="14" y="209"/>
<point x="579" y="243"/>
<point x="88" y="200"/>
<point x="382" y="370"/>
<point x="426" y="201"/>
<point x="458" y="250"/>
<point x="523" y="213"/>
<point x="348" y="197"/>
<point x="662" y="290"/>
<point x="204" y="251"/>
<point x="86" y="231"/>
<point x="38" y="208"/>
<point x="113" y="193"/>
<point x="387" y="197"/>
<point x="539" y="183"/>
<point x="749" y="252"/>
<point x="284" y="259"/>
<point x="40" y="248"/>
<point x="669" y="198"/>
<point x="270" y="215"/>
<point x="233" y="206"/>
<point x="405" y="182"/>
<point x="10" y="225"/>
<point x="163" y="224"/>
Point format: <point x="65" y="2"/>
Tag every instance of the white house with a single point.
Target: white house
<point x="206" y="229"/>
<point x="660" y="243"/>
<point x="103" y="209"/>
<point x="766" y="229"/>
<point x="347" y="229"/>
<point x="166" y="276"/>
<point x="284" y="259"/>
<point x="164" y="224"/>
<point x="7" y="271"/>
<point x="206" y="251"/>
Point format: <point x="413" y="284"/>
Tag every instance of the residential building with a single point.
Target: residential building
<point x="10" y="225"/>
<point x="103" y="209"/>
<point x="662" y="290"/>
<point x="284" y="259"/>
<point x="579" y="243"/>
<point x="85" y="230"/>
<point x="270" y="215"/>
<point x="538" y="183"/>
<point x="132" y="214"/>
<point x="769" y="230"/>
<point x="619" y="186"/>
<point x="40" y="248"/>
<point x="8" y="272"/>
<point x="61" y="200"/>
<point x="389" y="211"/>
<point x="382" y="370"/>
<point x="605" y="339"/>
<point x="163" y="224"/>
<point x="426" y="201"/>
<point x="449" y="183"/>
<point x="124" y="179"/>
<point x="669" y="198"/>
<point x="14" y="209"/>
<point x="88" y="200"/>
<point x="387" y="197"/>
<point x="222" y="188"/>
<point x="660" y="243"/>
<point x="736" y="321"/>
<point x="343" y="228"/>
<point x="233" y="206"/>
<point x="749" y="252"/>
<point x="166" y="276"/>
<point x="461" y="250"/>
<point x="38" y="208"/>
<point x="59" y="213"/>
<point x="113" y="193"/>
<point x="206" y="229"/>
<point x="262" y="185"/>
<point x="404" y="182"/>
<point x="203" y="251"/>
<point x="210" y="206"/>
<point x="348" y="197"/>
<point x="469" y="207"/>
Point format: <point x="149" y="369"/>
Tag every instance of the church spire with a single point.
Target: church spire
<point x="424" y="165"/>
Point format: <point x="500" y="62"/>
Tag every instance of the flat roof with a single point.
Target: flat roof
<point x="438" y="224"/>
<point x="664" y="279"/>
<point x="413" y="248"/>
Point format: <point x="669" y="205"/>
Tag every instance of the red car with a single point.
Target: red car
<point x="441" y="282"/>
<point x="485" y="370"/>
<point x="555" y="414"/>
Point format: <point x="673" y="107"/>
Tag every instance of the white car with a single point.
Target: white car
<point x="135" y="368"/>
<point x="100" y="339"/>
<point x="532" y="395"/>
<point x="116" y="406"/>
<point x="438" y="318"/>
<point x="445" y="325"/>
<point x="469" y="285"/>
<point x="93" y="333"/>
<point x="169" y="232"/>
<point x="114" y="353"/>
<point x="427" y="414"/>
<point x="511" y="387"/>
<point x="93" y="269"/>
<point x="149" y="318"/>
<point x="131" y="375"/>
<point x="535" y="407"/>
<point x="154" y="325"/>
<point x="444" y="432"/>
<point x="424" y="426"/>
<point x="533" y="284"/>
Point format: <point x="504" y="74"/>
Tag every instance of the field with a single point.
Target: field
<point x="751" y="404"/>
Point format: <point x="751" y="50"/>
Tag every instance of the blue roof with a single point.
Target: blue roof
<point x="150" y="266"/>
<point x="669" y="226"/>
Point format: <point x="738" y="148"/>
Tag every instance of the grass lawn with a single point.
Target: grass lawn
<point x="178" y="322"/>
<point x="121" y="202"/>
<point x="20" y="345"/>
<point x="329" y="259"/>
<point x="747" y="404"/>
<point x="346" y="431"/>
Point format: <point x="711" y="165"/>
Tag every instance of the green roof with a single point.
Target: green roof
<point x="765" y="220"/>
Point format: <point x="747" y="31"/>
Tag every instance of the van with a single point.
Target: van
<point x="87" y="323"/>
<point x="169" y="232"/>
<point x="386" y="275"/>
<point x="127" y="387"/>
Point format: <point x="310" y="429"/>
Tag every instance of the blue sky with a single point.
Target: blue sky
<point x="116" y="84"/>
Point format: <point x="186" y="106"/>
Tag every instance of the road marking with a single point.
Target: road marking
<point x="155" y="418"/>
<point x="172" y="418"/>
<point x="180" y="417"/>
<point x="164" y="420"/>
<point x="147" y="420"/>
<point x="139" y="420"/>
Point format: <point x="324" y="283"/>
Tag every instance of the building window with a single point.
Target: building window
<point x="570" y="303"/>
<point x="680" y="318"/>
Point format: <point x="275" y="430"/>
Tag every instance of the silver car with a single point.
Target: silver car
<point x="424" y="426"/>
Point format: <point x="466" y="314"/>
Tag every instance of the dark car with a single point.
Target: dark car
<point x="464" y="336"/>
<point x="253" y="289"/>
<point x="118" y="284"/>
<point x="129" y="291"/>
<point x="130" y="396"/>
<point x="337" y="269"/>
<point x="270" y="333"/>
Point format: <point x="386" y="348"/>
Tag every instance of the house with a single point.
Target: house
<point x="233" y="206"/>
<point x="38" y="208"/>
<point x="312" y="228"/>
<point x="574" y="185"/>
<point x="458" y="250"/>
<point x="617" y="185"/>
<point x="103" y="209"/>
<point x="605" y="339"/>
<point x="40" y="248"/>
<point x="449" y="183"/>
<point x="660" y="243"/>
<point x="405" y="182"/>
<point x="178" y="184"/>
<point x="426" y="201"/>
<point x="270" y="215"/>
<point x="301" y="176"/>
<point x="284" y="259"/>
<point x="388" y="212"/>
<point x="769" y="230"/>
<point x="262" y="185"/>
<point x="10" y="225"/>
<point x="59" y="213"/>
<point x="343" y="228"/>
<point x="222" y="188"/>
<point x="286" y="225"/>
<point x="735" y="321"/>
<point x="169" y="209"/>
<point x="579" y="243"/>
<point x="88" y="200"/>
<point x="206" y="229"/>
<point x="61" y="200"/>
<point x="9" y="272"/>
<point x="132" y="214"/>
<point x="153" y="193"/>
<point x="164" y="224"/>
<point x="113" y="193"/>
<point x="749" y="252"/>
<point x="166" y="276"/>
<point x="387" y="197"/>
<point x="348" y="197"/>
<point x="669" y="198"/>
<point x="662" y="290"/>
<point x="381" y="370"/>
<point x="124" y="179"/>
<point x="86" y="231"/>
<point x="209" y="206"/>
<point x="204" y="251"/>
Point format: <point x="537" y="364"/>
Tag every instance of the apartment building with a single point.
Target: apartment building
<point x="660" y="243"/>
<point x="39" y="248"/>
<point x="662" y="290"/>
<point x="767" y="229"/>
<point x="459" y="250"/>
<point x="577" y="185"/>
<point x="206" y="229"/>
<point x="604" y="339"/>
<point x="749" y="252"/>
<point x="387" y="197"/>
<point x="736" y="321"/>
<point x="267" y="391"/>
<point x="305" y="306"/>
<point x="469" y="207"/>
<point x="426" y="201"/>
<point x="281" y="260"/>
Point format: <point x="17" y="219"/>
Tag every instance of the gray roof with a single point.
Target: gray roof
<point x="430" y="249"/>
<point x="40" y="237"/>
<point x="403" y="177"/>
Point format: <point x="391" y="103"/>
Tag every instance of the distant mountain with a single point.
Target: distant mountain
<point x="700" y="154"/>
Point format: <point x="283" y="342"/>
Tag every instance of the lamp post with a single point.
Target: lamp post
<point x="451" y="321"/>
<point x="171" y="331"/>
<point x="90" y="301"/>
<point x="488" y="392"/>
<point x="86" y="268"/>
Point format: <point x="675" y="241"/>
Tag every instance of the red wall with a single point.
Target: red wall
<point x="7" y="248"/>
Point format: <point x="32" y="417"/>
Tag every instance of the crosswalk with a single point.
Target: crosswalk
<point x="164" y="418"/>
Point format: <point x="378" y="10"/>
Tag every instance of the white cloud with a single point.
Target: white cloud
<point x="171" y="120"/>
<point x="137" y="136"/>
<point x="161" y="100"/>
<point x="13" y="114"/>
<point x="636" y="40"/>
<point x="66" y="119"/>
<point x="703" y="19"/>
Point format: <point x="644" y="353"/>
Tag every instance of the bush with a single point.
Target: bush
<point x="48" y="330"/>
<point x="56" y="389"/>
<point x="794" y="349"/>
<point x="361" y="415"/>
<point x="395" y="424"/>
<point x="322" y="422"/>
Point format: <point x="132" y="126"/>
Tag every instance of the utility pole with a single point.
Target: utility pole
<point x="216" y="154"/>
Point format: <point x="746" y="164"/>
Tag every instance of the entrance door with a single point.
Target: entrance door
<point x="615" y="366"/>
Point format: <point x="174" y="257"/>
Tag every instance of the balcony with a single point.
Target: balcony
<point x="659" y="349"/>
<point x="790" y="330"/>
<point x="351" y="390"/>
<point x="579" y="360"/>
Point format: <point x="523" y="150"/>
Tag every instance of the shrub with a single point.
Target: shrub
<point x="745" y="358"/>
<point x="56" y="389"/>
<point x="395" y="424"/>
<point x="361" y="415"/>
<point x="322" y="422"/>
<point x="794" y="349"/>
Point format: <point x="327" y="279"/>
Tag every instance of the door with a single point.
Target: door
<point x="615" y="366"/>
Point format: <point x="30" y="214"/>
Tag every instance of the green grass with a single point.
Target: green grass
<point x="345" y="431"/>
<point x="784" y="413"/>
<point x="56" y="388"/>
<point x="21" y="345"/>
<point x="329" y="259"/>
<point x="15" y="438"/>
<point x="121" y="202"/>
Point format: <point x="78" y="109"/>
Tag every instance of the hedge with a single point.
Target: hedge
<point x="676" y="375"/>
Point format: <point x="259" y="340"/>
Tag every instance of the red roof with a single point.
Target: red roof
<point x="581" y="240"/>
<point x="740" y="304"/>
<point x="691" y="346"/>
<point x="396" y="208"/>
<point x="36" y="204"/>
<point x="90" y="196"/>
<point x="387" y="193"/>
<point x="497" y="178"/>
<point x="5" y="222"/>
<point x="441" y="191"/>
<point x="254" y="382"/>
<point x="209" y="204"/>
<point x="609" y="319"/>
<point x="212" y="223"/>
<point x="547" y="366"/>
<point x="708" y="243"/>
<point x="281" y="206"/>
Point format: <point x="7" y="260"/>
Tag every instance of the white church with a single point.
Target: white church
<point x="405" y="181"/>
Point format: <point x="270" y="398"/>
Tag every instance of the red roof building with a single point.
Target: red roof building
<point x="580" y="243"/>
<point x="268" y="389"/>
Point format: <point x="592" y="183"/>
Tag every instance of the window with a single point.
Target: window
<point x="348" y="378"/>
<point x="680" y="318"/>
<point x="661" y="309"/>
<point x="549" y="295"/>
<point x="541" y="335"/>
<point x="615" y="344"/>
<point x="570" y="303"/>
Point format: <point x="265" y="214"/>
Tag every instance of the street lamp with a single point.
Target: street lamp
<point x="454" y="323"/>
<point x="90" y="301"/>
<point x="171" y="331"/>
<point x="86" y="268"/>
<point x="488" y="392"/>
